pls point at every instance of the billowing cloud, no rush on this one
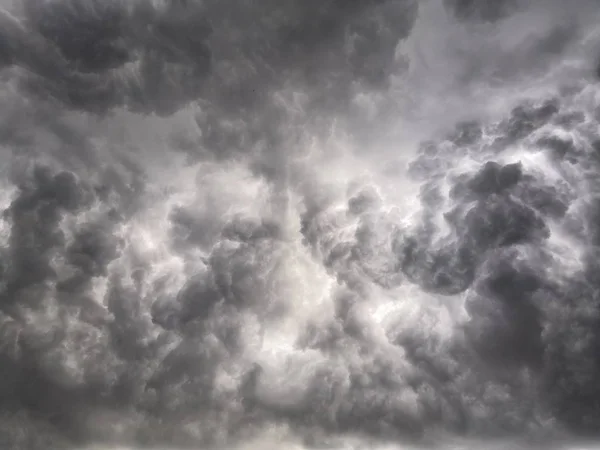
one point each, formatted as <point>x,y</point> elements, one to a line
<point>299,224</point>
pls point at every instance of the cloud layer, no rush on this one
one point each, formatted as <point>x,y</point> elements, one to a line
<point>325,222</point>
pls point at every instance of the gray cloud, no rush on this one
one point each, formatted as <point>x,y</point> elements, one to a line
<point>205,236</point>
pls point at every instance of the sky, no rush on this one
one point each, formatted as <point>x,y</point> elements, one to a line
<point>317,224</point>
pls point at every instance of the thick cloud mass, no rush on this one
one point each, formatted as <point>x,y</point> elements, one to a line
<point>299,224</point>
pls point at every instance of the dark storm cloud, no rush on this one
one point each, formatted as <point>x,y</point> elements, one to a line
<point>515,305</point>
<point>50,315</point>
<point>31,282</point>
<point>498,252</point>
<point>158,56</point>
<point>485,10</point>
<point>103,343</point>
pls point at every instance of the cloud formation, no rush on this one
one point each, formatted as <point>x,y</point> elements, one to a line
<point>224,223</point>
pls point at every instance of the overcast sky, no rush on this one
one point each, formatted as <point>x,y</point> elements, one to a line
<point>358,224</point>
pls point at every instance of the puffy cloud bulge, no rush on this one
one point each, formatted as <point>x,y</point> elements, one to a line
<point>341,224</point>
